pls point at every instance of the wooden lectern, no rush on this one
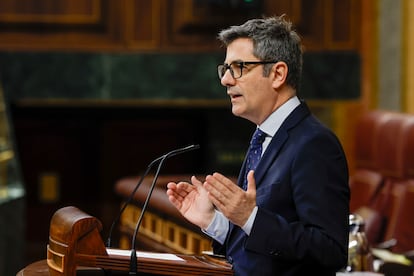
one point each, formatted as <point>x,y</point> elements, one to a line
<point>75,241</point>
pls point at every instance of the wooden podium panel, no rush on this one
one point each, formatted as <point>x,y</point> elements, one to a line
<point>75,246</point>
<point>41,268</point>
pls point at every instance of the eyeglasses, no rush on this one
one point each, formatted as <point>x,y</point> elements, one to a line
<point>236,68</point>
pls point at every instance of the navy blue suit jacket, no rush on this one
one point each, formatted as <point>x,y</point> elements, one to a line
<point>301,225</point>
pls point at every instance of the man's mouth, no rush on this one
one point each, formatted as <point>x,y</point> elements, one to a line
<point>234,95</point>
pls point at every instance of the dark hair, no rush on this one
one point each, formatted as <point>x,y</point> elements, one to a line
<point>273,39</point>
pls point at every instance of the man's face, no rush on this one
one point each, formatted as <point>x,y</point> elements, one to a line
<point>252,95</point>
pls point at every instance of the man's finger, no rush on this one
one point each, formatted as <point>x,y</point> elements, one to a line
<point>251,182</point>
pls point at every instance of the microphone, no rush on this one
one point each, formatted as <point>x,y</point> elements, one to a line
<point>133,263</point>
<point>131,196</point>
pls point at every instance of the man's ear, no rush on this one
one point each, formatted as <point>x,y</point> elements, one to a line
<point>279,73</point>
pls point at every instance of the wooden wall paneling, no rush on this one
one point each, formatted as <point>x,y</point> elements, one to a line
<point>311,23</point>
<point>195,24</point>
<point>60,24</point>
<point>342,24</point>
<point>187,24</point>
<point>346,116</point>
<point>322,24</point>
<point>290,8</point>
<point>143,24</point>
<point>165,24</point>
<point>369,54</point>
<point>49,11</point>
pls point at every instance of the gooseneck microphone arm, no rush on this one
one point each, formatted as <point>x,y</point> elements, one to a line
<point>133,262</point>
<point>129,199</point>
<point>131,196</point>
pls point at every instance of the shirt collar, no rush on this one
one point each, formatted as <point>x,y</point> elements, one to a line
<point>271,125</point>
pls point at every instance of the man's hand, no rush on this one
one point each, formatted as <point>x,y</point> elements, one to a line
<point>235,203</point>
<point>192,201</point>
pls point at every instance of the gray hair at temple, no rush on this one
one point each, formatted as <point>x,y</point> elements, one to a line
<point>273,39</point>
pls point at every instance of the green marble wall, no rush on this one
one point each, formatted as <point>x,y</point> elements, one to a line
<point>332,75</point>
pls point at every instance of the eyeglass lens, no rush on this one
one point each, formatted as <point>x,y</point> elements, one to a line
<point>235,70</point>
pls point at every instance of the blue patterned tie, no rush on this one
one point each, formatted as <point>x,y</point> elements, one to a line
<point>254,154</point>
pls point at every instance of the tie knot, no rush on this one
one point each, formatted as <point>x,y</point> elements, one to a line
<point>258,137</point>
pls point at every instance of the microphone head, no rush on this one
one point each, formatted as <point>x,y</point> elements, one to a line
<point>193,147</point>
<point>182,150</point>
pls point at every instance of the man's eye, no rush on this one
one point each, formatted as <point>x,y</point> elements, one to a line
<point>239,64</point>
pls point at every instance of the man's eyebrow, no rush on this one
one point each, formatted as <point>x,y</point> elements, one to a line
<point>234,61</point>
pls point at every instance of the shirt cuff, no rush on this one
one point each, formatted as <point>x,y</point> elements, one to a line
<point>247,227</point>
<point>218,227</point>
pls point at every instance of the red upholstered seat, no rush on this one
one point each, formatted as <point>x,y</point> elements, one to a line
<point>366,139</point>
<point>408,148</point>
<point>365,185</point>
<point>401,219</point>
<point>382,188</point>
<point>389,153</point>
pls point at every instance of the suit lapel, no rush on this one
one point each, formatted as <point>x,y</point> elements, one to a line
<point>272,151</point>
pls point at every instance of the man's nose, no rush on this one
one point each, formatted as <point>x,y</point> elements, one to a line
<point>227,79</point>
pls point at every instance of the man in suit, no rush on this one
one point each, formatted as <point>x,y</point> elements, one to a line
<point>289,214</point>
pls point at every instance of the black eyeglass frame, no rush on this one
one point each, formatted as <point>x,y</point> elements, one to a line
<point>222,68</point>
